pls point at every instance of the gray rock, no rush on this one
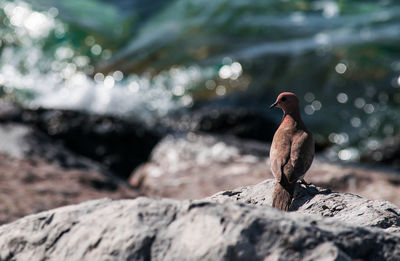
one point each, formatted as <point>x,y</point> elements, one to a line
<point>221,227</point>
<point>343,207</point>
<point>13,140</point>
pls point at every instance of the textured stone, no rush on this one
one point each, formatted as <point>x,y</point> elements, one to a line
<point>346,207</point>
<point>211,229</point>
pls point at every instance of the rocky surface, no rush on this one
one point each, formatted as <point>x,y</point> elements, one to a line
<point>195,166</point>
<point>218,228</point>
<point>345,207</point>
<point>32,185</point>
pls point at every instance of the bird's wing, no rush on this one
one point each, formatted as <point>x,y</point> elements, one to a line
<point>301,155</point>
<point>279,154</point>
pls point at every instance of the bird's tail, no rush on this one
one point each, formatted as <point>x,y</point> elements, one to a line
<point>283,195</point>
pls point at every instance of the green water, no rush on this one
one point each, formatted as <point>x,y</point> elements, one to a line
<point>144,60</point>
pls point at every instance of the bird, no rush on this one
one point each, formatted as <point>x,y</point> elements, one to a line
<point>292,151</point>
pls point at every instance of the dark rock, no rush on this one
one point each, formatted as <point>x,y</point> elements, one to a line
<point>219,228</point>
<point>24,141</point>
<point>117,144</point>
<point>387,152</point>
<point>9,111</point>
<point>239,122</point>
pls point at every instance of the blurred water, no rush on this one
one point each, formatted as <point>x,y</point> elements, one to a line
<point>143,60</point>
<point>64,77</point>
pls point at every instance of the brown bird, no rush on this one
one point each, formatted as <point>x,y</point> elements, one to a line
<point>292,151</point>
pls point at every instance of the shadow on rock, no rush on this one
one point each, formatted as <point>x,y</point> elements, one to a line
<point>304,194</point>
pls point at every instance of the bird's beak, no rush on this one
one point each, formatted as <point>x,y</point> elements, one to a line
<point>273,105</point>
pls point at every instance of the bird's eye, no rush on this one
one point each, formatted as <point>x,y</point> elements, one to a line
<point>283,99</point>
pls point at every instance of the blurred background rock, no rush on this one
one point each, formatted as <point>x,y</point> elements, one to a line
<point>109,79</point>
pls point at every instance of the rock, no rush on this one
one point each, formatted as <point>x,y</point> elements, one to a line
<point>208,229</point>
<point>387,152</point>
<point>372,182</point>
<point>215,118</point>
<point>24,141</point>
<point>9,111</point>
<point>117,144</point>
<point>121,145</point>
<point>14,139</point>
<point>194,166</point>
<point>197,165</point>
<point>31,185</point>
<point>348,208</point>
<point>38,173</point>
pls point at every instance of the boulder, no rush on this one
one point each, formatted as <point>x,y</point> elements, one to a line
<point>21,141</point>
<point>196,165</point>
<point>118,144</point>
<point>344,207</point>
<point>221,227</point>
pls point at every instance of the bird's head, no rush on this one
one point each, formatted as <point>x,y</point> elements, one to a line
<point>288,102</point>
